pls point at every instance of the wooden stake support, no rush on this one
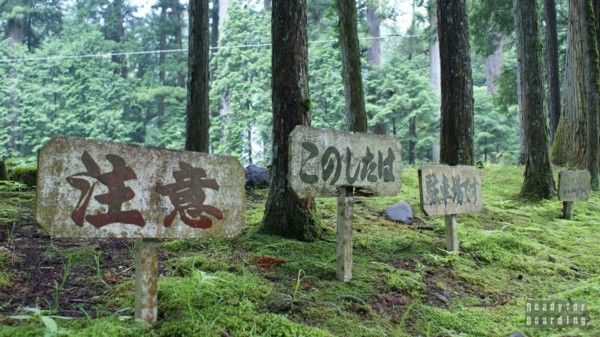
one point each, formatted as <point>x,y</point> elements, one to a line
<point>451,233</point>
<point>146,280</point>
<point>567,210</point>
<point>344,234</point>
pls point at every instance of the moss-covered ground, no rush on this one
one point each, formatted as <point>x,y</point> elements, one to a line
<point>405,283</point>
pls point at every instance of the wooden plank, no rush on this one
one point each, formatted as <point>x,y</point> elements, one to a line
<point>567,210</point>
<point>451,237</point>
<point>90,188</point>
<point>321,161</point>
<point>448,190</point>
<point>146,280</point>
<point>344,234</point>
<point>574,185</point>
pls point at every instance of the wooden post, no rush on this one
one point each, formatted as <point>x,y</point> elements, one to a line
<point>567,209</point>
<point>146,280</point>
<point>451,233</point>
<point>344,234</point>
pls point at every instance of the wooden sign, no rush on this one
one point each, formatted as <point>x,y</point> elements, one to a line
<point>324,160</point>
<point>91,188</point>
<point>573,185</point>
<point>327,162</point>
<point>100,189</point>
<point>449,189</point>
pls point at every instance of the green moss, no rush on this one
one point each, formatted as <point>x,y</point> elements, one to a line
<point>405,281</point>
<point>512,251</point>
<point>25,174</point>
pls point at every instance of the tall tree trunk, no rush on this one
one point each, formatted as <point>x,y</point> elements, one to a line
<point>552,67</point>
<point>285,213</point>
<point>523,143</point>
<point>493,66</point>
<point>374,50</point>
<point>356,117</point>
<point>114,30</point>
<point>412,122</point>
<point>177,18</point>
<point>214,24</point>
<point>569,148</point>
<point>198,120</point>
<point>374,32</point>
<point>435,77</point>
<point>162,45</point>
<point>457,83</point>
<point>15,38</point>
<point>538,181</point>
<point>591,62</point>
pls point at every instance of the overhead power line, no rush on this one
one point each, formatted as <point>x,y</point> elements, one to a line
<point>143,52</point>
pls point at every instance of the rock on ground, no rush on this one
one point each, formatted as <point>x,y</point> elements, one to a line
<point>401,212</point>
<point>257,176</point>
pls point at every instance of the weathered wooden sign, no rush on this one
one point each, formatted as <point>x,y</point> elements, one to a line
<point>450,190</point>
<point>573,185</point>
<point>91,188</point>
<point>100,189</point>
<point>327,162</point>
<point>324,160</point>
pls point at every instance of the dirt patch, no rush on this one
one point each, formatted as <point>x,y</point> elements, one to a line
<point>71,277</point>
<point>267,263</point>
<point>393,303</point>
<point>442,287</point>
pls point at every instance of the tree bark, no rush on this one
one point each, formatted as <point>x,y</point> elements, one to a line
<point>198,120</point>
<point>538,181</point>
<point>456,83</point>
<point>569,148</point>
<point>286,214</point>
<point>15,38</point>
<point>493,66</point>
<point>162,45</point>
<point>374,32</point>
<point>552,67</point>
<point>434,51</point>
<point>177,18</point>
<point>214,25</point>
<point>374,50</point>
<point>591,62</point>
<point>356,117</point>
<point>114,30</point>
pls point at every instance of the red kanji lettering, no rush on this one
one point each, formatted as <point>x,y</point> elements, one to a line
<point>117,193</point>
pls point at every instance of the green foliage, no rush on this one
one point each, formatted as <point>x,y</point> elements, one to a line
<point>497,133</point>
<point>406,94</point>
<point>240,93</point>
<point>25,174</point>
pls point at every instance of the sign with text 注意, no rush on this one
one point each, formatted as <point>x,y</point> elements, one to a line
<point>574,185</point>
<point>321,161</point>
<point>447,190</point>
<point>90,188</point>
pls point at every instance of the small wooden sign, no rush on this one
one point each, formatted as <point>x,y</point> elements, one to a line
<point>450,189</point>
<point>327,162</point>
<point>94,189</point>
<point>574,185</point>
<point>324,160</point>
<point>89,188</point>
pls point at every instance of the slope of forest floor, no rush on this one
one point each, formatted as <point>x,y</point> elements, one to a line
<point>405,283</point>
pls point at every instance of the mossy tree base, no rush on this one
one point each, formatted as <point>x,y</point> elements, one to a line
<point>288,216</point>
